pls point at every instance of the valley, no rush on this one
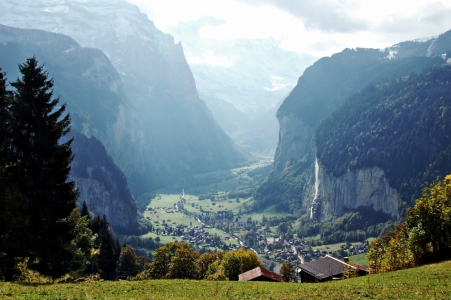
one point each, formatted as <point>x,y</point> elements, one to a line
<point>218,212</point>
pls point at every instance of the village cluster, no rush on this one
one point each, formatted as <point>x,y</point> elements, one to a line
<point>271,247</point>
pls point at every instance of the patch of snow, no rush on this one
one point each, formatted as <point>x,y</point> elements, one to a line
<point>431,47</point>
<point>69,50</point>
<point>278,83</point>
<point>56,9</point>
<point>392,53</point>
<point>425,39</point>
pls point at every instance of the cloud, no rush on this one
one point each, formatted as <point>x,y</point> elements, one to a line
<point>324,15</point>
<point>316,27</point>
<point>426,21</point>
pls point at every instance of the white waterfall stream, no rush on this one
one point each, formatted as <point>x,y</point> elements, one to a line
<point>316,186</point>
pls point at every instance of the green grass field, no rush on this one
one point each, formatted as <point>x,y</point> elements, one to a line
<point>426,282</point>
<point>359,259</point>
<point>194,205</point>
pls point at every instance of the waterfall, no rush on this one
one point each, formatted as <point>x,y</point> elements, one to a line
<point>316,187</point>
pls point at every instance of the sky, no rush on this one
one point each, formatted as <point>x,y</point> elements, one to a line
<point>316,27</point>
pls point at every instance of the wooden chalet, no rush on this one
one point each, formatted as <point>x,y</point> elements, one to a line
<point>259,274</point>
<point>325,269</point>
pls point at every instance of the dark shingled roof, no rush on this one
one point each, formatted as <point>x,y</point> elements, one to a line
<point>325,267</point>
<point>259,273</point>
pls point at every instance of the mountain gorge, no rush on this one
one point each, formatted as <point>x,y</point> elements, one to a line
<point>305,177</point>
<point>251,75</point>
<point>162,132</point>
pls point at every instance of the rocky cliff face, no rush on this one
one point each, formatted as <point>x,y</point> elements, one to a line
<point>366,187</point>
<point>102,185</point>
<point>295,142</point>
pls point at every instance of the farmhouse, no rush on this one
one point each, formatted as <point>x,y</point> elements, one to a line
<point>325,269</point>
<point>259,274</point>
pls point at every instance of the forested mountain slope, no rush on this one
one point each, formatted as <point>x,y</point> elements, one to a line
<point>322,88</point>
<point>402,126</point>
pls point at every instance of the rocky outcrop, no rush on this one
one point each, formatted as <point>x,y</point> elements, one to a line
<point>368,187</point>
<point>103,201</point>
<point>102,185</point>
<point>295,142</point>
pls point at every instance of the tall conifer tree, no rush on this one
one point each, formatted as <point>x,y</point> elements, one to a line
<point>42,165</point>
<point>5,119</point>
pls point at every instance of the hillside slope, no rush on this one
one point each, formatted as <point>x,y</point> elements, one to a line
<point>429,281</point>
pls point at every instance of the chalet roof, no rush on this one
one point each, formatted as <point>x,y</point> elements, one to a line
<point>257,272</point>
<point>325,267</point>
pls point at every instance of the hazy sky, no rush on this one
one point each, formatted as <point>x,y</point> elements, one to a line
<point>318,27</point>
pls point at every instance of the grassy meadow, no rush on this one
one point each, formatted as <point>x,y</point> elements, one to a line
<point>426,282</point>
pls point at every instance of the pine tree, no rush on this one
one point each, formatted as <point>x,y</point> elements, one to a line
<point>85,210</point>
<point>105,243</point>
<point>5,118</point>
<point>11,218</point>
<point>117,250</point>
<point>41,171</point>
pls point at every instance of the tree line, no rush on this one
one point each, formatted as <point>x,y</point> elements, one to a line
<point>177,260</point>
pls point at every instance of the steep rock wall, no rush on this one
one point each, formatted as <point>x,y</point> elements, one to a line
<point>295,141</point>
<point>367,187</point>
<point>102,201</point>
<point>102,185</point>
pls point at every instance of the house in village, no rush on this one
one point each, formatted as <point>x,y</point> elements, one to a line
<point>327,268</point>
<point>259,274</point>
